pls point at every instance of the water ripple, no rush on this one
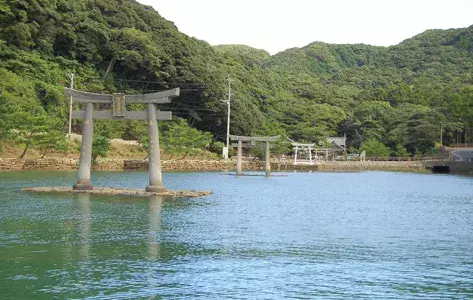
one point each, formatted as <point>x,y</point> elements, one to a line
<point>369,235</point>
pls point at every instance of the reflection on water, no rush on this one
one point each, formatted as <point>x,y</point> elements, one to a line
<point>84,225</point>
<point>366,235</point>
<point>155,205</point>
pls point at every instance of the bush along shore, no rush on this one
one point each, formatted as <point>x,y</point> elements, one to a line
<point>16,164</point>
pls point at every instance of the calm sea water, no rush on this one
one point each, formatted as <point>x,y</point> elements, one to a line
<point>372,235</point>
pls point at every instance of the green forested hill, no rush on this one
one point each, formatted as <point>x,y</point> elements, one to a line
<point>398,96</point>
<point>426,77</point>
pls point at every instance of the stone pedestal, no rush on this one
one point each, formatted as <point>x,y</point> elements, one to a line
<point>83,187</point>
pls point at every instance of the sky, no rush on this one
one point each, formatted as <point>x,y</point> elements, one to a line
<point>275,25</point>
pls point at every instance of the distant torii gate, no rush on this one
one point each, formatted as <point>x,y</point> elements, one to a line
<point>305,147</point>
<point>253,141</point>
<point>118,112</point>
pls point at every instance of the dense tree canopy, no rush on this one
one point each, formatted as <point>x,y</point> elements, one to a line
<point>399,96</point>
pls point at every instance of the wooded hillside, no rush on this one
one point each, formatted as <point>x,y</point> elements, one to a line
<point>396,98</point>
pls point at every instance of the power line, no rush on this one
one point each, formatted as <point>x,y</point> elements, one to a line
<point>182,90</point>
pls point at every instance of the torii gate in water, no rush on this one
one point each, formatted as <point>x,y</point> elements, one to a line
<point>252,140</point>
<point>118,102</point>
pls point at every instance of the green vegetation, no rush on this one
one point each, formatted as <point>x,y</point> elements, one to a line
<point>399,96</point>
<point>374,148</point>
<point>185,140</point>
<point>100,146</point>
<point>179,139</point>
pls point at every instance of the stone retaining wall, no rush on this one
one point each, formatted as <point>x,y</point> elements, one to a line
<point>371,166</point>
<point>11,164</point>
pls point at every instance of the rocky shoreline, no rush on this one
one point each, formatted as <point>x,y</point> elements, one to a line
<point>15,164</point>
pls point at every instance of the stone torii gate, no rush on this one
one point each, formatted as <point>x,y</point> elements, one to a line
<point>252,141</point>
<point>118,102</point>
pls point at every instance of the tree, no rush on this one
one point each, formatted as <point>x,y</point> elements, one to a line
<point>273,128</point>
<point>100,146</point>
<point>53,140</point>
<point>181,138</point>
<point>400,151</point>
<point>217,147</point>
<point>101,140</point>
<point>324,143</point>
<point>370,120</point>
<point>374,148</point>
<point>415,127</point>
<point>5,121</point>
<point>35,130</point>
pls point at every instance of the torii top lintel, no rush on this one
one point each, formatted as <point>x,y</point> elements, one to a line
<point>159,97</point>
<point>119,103</point>
<point>254,138</point>
<point>295,144</point>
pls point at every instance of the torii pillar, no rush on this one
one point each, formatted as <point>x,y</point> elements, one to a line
<point>85,160</point>
<point>118,112</point>
<point>267,160</point>
<point>239,154</point>
<point>154,155</point>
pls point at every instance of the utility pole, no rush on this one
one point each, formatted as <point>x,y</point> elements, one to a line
<point>71,78</point>
<point>226,149</point>
<point>441,134</point>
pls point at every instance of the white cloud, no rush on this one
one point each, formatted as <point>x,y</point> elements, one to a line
<point>278,25</point>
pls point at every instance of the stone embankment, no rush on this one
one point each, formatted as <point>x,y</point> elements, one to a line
<point>400,166</point>
<point>12,164</point>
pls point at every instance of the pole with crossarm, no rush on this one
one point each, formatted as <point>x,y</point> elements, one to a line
<point>227,149</point>
<point>119,102</point>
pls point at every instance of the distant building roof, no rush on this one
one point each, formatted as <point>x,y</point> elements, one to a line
<point>338,142</point>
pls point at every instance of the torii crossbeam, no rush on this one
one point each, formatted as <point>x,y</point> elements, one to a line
<point>252,140</point>
<point>118,102</point>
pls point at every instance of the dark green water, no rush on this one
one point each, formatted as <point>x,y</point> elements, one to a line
<point>370,235</point>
